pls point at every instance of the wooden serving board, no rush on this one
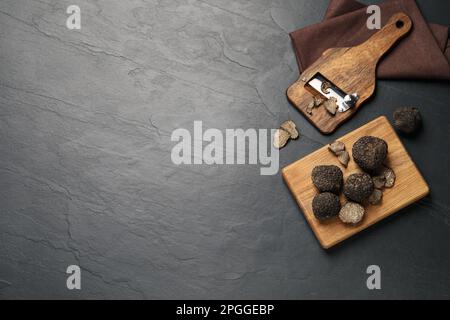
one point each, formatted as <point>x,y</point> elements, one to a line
<point>352,69</point>
<point>409,185</point>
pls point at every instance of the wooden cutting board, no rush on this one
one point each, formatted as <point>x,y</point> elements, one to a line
<point>353,70</point>
<point>409,186</point>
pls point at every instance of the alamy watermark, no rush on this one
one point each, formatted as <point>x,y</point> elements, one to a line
<point>231,146</point>
<point>374,20</point>
<point>74,280</point>
<point>73,22</point>
<point>374,280</point>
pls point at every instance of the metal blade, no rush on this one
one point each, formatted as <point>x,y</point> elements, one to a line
<point>327,89</point>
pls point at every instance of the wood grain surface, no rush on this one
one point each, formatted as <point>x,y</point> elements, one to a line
<point>409,186</point>
<point>351,69</point>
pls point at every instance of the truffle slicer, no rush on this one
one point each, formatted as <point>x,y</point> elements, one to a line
<point>345,74</point>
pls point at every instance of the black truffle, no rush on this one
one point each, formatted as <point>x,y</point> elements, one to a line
<point>369,152</point>
<point>326,205</point>
<point>407,119</point>
<point>358,186</point>
<point>327,178</point>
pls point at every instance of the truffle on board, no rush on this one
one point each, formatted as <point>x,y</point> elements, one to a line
<point>310,106</point>
<point>318,101</point>
<point>375,197</point>
<point>331,105</point>
<point>369,152</point>
<point>358,187</point>
<point>327,178</point>
<point>389,176</point>
<point>379,181</point>
<point>343,157</point>
<point>351,212</point>
<point>336,146</point>
<point>326,205</point>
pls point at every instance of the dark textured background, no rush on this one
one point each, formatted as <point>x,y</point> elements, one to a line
<point>86,176</point>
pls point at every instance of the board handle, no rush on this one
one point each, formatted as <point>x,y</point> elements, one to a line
<point>378,44</point>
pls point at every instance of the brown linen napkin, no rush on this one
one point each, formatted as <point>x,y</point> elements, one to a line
<point>423,54</point>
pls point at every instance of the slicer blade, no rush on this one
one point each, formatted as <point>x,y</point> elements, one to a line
<point>329,90</point>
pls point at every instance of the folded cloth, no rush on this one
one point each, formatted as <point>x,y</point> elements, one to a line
<point>423,54</point>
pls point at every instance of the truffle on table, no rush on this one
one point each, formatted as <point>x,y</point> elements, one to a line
<point>327,178</point>
<point>352,213</point>
<point>280,138</point>
<point>407,119</point>
<point>326,205</point>
<point>291,128</point>
<point>369,152</point>
<point>358,187</point>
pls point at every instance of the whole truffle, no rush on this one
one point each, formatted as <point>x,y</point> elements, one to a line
<point>326,205</point>
<point>352,213</point>
<point>358,186</point>
<point>407,119</point>
<point>369,152</point>
<point>327,178</point>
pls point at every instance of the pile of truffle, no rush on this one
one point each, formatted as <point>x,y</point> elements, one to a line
<point>329,104</point>
<point>360,189</point>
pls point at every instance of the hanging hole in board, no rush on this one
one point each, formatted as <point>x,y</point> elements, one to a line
<point>399,24</point>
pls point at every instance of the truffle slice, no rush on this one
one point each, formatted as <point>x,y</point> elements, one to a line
<point>390,178</point>
<point>326,205</point>
<point>388,175</point>
<point>343,157</point>
<point>318,101</point>
<point>369,152</point>
<point>358,186</point>
<point>280,138</point>
<point>336,146</point>
<point>407,119</point>
<point>310,106</point>
<point>352,213</point>
<point>379,181</point>
<point>327,178</point>
<point>291,128</point>
<point>375,197</point>
<point>331,105</point>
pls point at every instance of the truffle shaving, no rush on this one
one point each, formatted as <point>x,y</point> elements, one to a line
<point>336,146</point>
<point>280,138</point>
<point>375,197</point>
<point>291,128</point>
<point>379,181</point>
<point>351,213</point>
<point>331,105</point>
<point>343,158</point>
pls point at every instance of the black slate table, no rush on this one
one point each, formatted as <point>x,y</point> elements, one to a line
<point>86,177</point>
